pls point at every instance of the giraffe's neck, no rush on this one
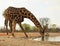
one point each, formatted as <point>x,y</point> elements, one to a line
<point>35,21</point>
<point>29,15</point>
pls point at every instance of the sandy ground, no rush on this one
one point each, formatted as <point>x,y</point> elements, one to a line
<point>21,40</point>
<point>30,34</point>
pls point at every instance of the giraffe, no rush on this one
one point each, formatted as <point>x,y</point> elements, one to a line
<point>17,15</point>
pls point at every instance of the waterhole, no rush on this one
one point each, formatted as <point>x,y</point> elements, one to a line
<point>56,38</point>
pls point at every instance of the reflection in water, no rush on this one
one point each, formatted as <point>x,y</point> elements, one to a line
<point>46,37</point>
<point>57,38</point>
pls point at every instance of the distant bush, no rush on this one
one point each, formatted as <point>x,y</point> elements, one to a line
<point>34,29</point>
<point>53,30</point>
<point>26,27</point>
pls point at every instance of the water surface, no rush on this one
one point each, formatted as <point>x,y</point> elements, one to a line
<point>57,38</point>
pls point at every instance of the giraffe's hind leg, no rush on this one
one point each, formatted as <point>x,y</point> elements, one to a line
<point>23,30</point>
<point>6,25</point>
<point>13,28</point>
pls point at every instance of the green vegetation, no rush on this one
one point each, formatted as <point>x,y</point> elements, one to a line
<point>26,27</point>
<point>29,28</point>
<point>34,29</point>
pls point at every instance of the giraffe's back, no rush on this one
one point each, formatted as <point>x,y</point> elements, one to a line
<point>13,13</point>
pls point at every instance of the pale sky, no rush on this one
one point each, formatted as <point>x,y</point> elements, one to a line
<point>40,8</point>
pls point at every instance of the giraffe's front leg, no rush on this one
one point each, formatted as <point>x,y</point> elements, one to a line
<point>13,28</point>
<point>23,30</point>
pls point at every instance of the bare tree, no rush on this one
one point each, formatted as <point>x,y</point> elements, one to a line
<point>44,22</point>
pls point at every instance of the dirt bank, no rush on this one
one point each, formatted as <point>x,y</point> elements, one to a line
<point>30,34</point>
<point>21,40</point>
